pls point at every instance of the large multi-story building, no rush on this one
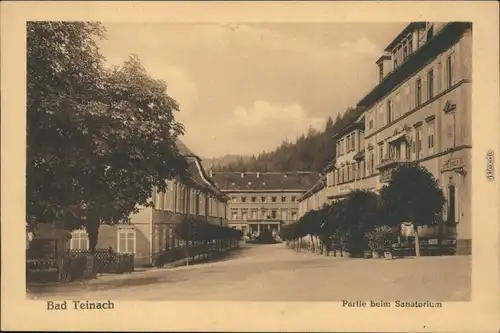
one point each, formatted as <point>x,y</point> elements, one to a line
<point>151,229</point>
<point>420,111</point>
<point>263,200</point>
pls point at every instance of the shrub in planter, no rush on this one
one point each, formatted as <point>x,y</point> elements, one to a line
<point>380,240</point>
<point>368,254</point>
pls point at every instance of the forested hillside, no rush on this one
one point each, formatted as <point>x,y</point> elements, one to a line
<point>310,152</point>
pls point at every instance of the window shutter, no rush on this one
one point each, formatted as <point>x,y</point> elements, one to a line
<point>424,89</point>
<point>412,97</point>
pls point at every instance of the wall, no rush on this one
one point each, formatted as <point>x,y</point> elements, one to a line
<point>262,208</point>
<point>452,132</point>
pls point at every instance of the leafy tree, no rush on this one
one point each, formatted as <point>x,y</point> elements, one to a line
<point>359,215</point>
<point>98,140</point>
<point>412,195</point>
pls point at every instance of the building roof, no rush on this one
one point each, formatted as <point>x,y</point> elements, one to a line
<point>183,149</point>
<point>356,121</point>
<point>195,174</point>
<point>329,166</point>
<point>383,57</point>
<point>409,28</point>
<point>264,181</point>
<point>442,41</point>
<point>318,186</point>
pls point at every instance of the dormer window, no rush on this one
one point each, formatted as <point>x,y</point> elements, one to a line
<point>380,72</point>
<point>430,32</point>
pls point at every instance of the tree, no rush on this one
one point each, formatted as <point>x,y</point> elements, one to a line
<point>412,195</point>
<point>98,140</point>
<point>310,224</point>
<point>359,215</point>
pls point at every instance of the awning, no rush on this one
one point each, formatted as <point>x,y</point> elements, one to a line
<point>360,155</point>
<point>396,137</point>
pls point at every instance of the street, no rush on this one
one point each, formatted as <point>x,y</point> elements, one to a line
<point>275,273</point>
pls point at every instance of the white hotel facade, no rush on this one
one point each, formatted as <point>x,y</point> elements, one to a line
<point>420,111</point>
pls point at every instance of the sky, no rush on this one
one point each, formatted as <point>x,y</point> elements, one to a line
<point>243,88</point>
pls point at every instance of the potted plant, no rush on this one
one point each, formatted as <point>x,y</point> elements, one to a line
<point>374,243</point>
<point>380,241</point>
<point>373,246</point>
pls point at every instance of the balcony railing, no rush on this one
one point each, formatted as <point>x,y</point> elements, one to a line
<point>390,161</point>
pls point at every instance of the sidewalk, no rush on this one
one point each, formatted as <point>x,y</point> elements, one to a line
<point>140,276</point>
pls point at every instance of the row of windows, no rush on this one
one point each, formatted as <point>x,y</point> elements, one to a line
<point>402,51</point>
<point>181,199</point>
<point>346,145</point>
<point>414,148</point>
<point>126,240</point>
<point>347,173</point>
<point>255,214</point>
<point>254,199</point>
<point>394,105</point>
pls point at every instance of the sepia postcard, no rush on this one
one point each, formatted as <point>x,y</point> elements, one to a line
<point>250,166</point>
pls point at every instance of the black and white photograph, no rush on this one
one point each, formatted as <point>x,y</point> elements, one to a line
<point>250,161</point>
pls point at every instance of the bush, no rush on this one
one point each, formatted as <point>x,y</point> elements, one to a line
<point>381,238</point>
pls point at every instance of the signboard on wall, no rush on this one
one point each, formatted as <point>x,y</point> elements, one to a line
<point>451,164</point>
<point>345,188</point>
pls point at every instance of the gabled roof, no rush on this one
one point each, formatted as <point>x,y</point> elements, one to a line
<point>195,174</point>
<point>264,181</point>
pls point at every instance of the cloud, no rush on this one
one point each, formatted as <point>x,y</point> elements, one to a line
<point>361,46</point>
<point>244,88</point>
<point>249,130</point>
<point>180,85</point>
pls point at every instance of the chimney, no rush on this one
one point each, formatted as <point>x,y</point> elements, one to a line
<point>211,174</point>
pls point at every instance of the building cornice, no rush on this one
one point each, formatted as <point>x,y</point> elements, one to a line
<point>424,159</point>
<point>442,41</point>
<point>229,191</point>
<point>415,109</point>
<point>349,128</point>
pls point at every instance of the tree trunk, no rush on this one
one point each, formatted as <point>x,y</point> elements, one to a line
<point>93,231</point>
<point>417,242</point>
<point>92,227</point>
<point>313,248</point>
<point>440,231</point>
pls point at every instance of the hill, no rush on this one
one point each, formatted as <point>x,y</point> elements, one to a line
<point>224,161</point>
<point>310,152</point>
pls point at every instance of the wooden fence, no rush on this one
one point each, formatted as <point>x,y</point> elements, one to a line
<point>78,264</point>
